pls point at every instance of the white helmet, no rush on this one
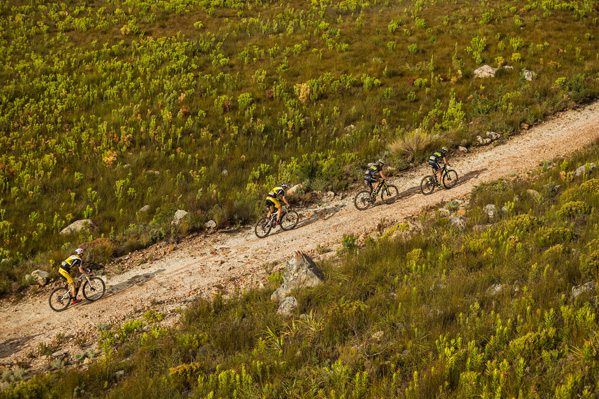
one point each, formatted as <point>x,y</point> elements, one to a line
<point>79,251</point>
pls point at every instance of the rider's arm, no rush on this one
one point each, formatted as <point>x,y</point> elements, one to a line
<point>445,161</point>
<point>382,175</point>
<point>285,200</point>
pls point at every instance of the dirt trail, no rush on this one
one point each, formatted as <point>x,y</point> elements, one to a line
<point>204,264</point>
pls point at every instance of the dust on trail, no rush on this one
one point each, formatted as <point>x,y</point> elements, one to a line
<point>202,265</point>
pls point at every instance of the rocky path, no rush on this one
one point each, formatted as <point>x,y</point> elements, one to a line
<point>204,265</point>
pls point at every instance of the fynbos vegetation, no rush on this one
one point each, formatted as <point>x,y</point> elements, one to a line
<point>109,106</point>
<point>504,308</point>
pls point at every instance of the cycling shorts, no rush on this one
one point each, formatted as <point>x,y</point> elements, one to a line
<point>270,202</point>
<point>434,165</point>
<point>66,275</point>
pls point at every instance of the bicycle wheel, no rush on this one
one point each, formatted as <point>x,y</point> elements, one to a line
<point>59,299</point>
<point>427,185</point>
<point>289,221</point>
<point>263,227</point>
<point>94,289</point>
<point>390,195</point>
<point>363,200</point>
<point>450,178</point>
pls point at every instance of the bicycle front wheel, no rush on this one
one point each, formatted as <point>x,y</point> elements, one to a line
<point>94,289</point>
<point>263,227</point>
<point>289,221</point>
<point>427,185</point>
<point>450,178</point>
<point>362,200</point>
<point>390,195</point>
<point>59,299</point>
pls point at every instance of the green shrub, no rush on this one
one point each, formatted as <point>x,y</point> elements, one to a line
<point>554,235</point>
<point>574,208</point>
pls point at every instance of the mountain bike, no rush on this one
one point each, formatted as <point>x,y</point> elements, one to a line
<point>389,194</point>
<point>429,183</point>
<point>93,288</point>
<point>289,220</point>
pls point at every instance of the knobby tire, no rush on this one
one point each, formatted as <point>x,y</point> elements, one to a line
<point>427,185</point>
<point>54,300</point>
<point>95,290</point>
<point>263,227</point>
<point>450,178</point>
<point>289,220</point>
<point>390,195</point>
<point>362,200</point>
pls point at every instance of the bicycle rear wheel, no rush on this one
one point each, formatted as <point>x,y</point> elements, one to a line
<point>427,185</point>
<point>59,299</point>
<point>363,200</point>
<point>94,289</point>
<point>390,195</point>
<point>289,221</point>
<point>450,178</point>
<point>263,227</point>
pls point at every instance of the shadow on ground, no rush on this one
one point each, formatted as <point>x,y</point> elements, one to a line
<point>14,345</point>
<point>139,280</point>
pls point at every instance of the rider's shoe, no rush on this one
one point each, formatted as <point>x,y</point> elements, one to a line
<point>75,301</point>
<point>278,222</point>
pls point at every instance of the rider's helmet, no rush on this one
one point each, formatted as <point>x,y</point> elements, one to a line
<point>444,150</point>
<point>284,185</point>
<point>79,251</point>
<point>381,161</point>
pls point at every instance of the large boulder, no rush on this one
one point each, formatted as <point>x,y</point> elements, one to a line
<point>179,216</point>
<point>588,287</point>
<point>287,306</point>
<point>77,226</point>
<point>296,190</point>
<point>301,272</point>
<point>40,277</point>
<point>528,75</point>
<point>485,71</point>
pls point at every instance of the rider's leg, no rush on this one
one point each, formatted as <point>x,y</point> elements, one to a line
<point>279,213</point>
<point>73,293</point>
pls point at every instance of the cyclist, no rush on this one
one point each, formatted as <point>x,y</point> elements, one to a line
<point>433,161</point>
<point>372,175</point>
<point>273,202</point>
<point>65,271</point>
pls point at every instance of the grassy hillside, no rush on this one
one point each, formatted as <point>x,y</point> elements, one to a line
<point>107,106</point>
<point>488,311</point>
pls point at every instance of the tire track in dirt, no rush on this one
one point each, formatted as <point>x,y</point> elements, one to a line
<point>205,264</point>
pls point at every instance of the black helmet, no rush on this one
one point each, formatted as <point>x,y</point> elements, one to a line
<point>284,185</point>
<point>381,161</point>
<point>444,150</point>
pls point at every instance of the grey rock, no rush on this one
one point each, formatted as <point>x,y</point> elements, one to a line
<point>484,141</point>
<point>179,216</point>
<point>508,67</point>
<point>534,194</point>
<point>350,128</point>
<point>484,72</point>
<point>493,136</point>
<point>458,221</point>
<point>504,209</point>
<point>463,149</point>
<point>444,212</point>
<point>287,306</point>
<point>581,170</point>
<point>153,172</point>
<point>495,289</point>
<point>40,276</point>
<point>528,75</point>
<point>301,272</point>
<point>329,196</point>
<point>211,224</point>
<point>296,190</point>
<point>77,226</point>
<point>225,172</point>
<point>144,209</point>
<point>582,289</point>
<point>490,210</point>
<point>87,360</point>
<point>120,374</point>
<point>5,260</point>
